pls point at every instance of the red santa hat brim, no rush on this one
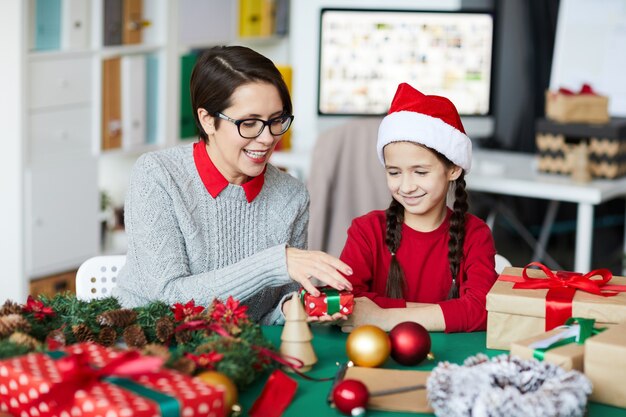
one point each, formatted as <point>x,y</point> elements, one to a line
<point>432,121</point>
<point>432,132</point>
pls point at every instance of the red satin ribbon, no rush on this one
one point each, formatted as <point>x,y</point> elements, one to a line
<point>562,287</point>
<point>77,373</point>
<point>275,397</point>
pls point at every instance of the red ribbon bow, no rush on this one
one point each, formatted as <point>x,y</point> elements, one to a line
<point>585,89</point>
<point>77,373</point>
<point>562,286</point>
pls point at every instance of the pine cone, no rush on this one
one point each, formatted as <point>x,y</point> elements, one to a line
<point>122,317</point>
<point>57,336</point>
<point>10,307</point>
<point>184,365</point>
<point>23,339</point>
<point>183,337</point>
<point>83,333</point>
<point>12,323</point>
<point>164,329</point>
<point>107,336</point>
<point>154,349</point>
<point>134,336</point>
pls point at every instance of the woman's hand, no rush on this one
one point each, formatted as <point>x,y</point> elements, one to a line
<point>303,265</point>
<point>365,312</point>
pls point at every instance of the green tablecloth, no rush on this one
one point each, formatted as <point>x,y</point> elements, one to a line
<point>329,344</point>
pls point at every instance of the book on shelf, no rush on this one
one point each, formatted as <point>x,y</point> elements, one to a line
<point>112,25</point>
<point>75,25</point>
<point>111,104</point>
<point>47,25</point>
<point>257,18</point>
<point>286,71</point>
<point>133,85</point>
<point>152,98</point>
<point>187,121</point>
<point>132,21</point>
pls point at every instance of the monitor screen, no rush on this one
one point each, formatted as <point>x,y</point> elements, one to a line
<point>365,54</point>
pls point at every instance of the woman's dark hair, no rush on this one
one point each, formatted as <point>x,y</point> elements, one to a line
<point>396,283</point>
<point>220,70</point>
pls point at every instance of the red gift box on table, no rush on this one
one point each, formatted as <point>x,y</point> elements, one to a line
<point>329,302</point>
<point>37,385</point>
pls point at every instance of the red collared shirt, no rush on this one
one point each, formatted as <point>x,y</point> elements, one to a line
<point>213,179</point>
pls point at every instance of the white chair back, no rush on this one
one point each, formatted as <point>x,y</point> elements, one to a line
<point>501,263</point>
<point>97,276</point>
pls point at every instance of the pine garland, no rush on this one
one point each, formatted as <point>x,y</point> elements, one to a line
<point>191,338</point>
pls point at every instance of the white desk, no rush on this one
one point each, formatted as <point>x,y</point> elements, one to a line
<point>515,174</point>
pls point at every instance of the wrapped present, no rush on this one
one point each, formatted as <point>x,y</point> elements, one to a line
<point>605,362</point>
<point>605,143</point>
<point>566,106</point>
<point>90,380</point>
<point>330,301</point>
<point>562,346</point>
<point>526,302</point>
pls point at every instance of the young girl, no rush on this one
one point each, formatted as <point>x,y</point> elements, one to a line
<point>419,260</point>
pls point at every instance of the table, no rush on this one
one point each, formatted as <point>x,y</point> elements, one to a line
<point>516,174</point>
<point>329,345</point>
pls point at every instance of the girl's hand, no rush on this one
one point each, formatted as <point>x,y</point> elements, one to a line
<point>365,312</point>
<point>325,319</point>
<point>303,265</point>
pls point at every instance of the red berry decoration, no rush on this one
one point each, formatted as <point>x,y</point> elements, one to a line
<point>410,343</point>
<point>350,397</point>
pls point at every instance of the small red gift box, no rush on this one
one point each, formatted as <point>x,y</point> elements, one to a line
<point>34,385</point>
<point>329,302</point>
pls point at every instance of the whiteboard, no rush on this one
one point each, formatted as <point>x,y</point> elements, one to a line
<point>590,47</point>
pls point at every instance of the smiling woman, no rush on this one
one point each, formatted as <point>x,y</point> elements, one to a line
<point>214,218</point>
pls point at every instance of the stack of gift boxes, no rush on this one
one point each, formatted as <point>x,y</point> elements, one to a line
<point>578,137</point>
<point>573,320</point>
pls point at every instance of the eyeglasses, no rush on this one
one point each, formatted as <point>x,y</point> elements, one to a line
<point>252,128</point>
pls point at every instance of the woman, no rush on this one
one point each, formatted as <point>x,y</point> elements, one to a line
<point>213,218</point>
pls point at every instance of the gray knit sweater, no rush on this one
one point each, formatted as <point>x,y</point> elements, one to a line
<point>184,244</point>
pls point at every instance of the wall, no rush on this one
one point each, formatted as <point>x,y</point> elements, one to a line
<point>12,279</point>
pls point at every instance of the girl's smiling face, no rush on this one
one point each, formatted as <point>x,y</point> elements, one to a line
<point>419,181</point>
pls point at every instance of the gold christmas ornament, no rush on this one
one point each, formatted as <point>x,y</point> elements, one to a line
<point>219,380</point>
<point>368,346</point>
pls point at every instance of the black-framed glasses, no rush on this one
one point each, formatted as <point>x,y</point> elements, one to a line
<point>252,128</point>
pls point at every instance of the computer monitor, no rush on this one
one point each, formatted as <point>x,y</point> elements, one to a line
<point>364,54</point>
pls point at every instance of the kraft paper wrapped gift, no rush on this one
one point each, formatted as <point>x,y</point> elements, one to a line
<point>577,108</point>
<point>563,346</point>
<point>605,365</point>
<point>517,314</point>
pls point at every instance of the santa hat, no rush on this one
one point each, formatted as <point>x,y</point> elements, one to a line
<point>432,121</point>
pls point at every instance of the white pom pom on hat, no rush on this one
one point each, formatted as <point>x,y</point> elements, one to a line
<point>432,121</point>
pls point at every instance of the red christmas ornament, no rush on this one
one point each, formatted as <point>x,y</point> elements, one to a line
<point>350,397</point>
<point>410,343</point>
